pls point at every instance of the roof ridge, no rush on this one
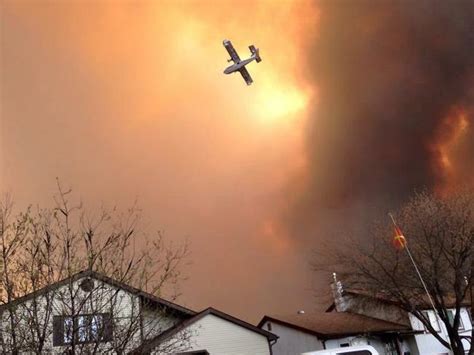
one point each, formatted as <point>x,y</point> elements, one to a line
<point>102,277</point>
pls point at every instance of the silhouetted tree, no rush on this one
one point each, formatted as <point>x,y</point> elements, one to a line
<point>440,235</point>
<point>41,248</point>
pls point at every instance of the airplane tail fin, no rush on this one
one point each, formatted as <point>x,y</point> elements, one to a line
<point>256,53</point>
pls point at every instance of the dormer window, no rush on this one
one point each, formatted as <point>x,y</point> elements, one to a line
<point>83,328</point>
<point>451,315</point>
<point>433,319</point>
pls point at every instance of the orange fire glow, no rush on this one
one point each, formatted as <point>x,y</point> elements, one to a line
<point>136,92</point>
<point>450,138</point>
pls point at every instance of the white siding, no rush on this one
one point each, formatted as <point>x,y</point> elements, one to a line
<point>292,341</point>
<point>123,306</point>
<point>371,307</point>
<point>428,344</point>
<point>156,322</point>
<point>222,337</point>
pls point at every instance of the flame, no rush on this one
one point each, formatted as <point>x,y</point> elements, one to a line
<point>450,136</point>
<point>460,125</point>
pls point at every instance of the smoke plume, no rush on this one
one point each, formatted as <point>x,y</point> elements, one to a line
<point>394,111</point>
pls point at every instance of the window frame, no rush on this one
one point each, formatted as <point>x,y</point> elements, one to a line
<point>436,326</point>
<point>354,352</point>
<point>451,319</point>
<point>82,328</point>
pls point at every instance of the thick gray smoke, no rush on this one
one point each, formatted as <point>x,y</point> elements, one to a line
<point>393,77</point>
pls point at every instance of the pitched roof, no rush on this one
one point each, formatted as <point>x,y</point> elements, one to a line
<point>101,277</point>
<point>422,303</point>
<point>334,324</point>
<point>153,343</point>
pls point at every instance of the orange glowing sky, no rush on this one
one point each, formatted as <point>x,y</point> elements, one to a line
<point>354,105</point>
<point>126,100</point>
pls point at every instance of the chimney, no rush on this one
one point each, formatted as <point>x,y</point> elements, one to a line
<point>338,294</point>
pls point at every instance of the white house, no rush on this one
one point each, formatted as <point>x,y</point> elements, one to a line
<point>357,318</point>
<point>217,333</point>
<point>92,313</point>
<point>420,341</point>
<point>425,342</point>
<point>303,332</point>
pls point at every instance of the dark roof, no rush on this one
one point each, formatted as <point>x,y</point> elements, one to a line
<point>334,324</point>
<point>153,343</point>
<point>98,276</point>
<point>423,303</point>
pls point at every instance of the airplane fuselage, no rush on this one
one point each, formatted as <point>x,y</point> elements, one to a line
<point>235,67</point>
<point>239,65</point>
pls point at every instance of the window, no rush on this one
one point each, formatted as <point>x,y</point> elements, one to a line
<point>84,328</point>
<point>68,330</point>
<point>355,352</point>
<point>451,320</point>
<point>433,318</point>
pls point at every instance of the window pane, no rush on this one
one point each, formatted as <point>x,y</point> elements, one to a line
<point>96,328</point>
<point>433,318</point>
<point>83,328</point>
<point>451,320</point>
<point>82,335</point>
<point>451,317</point>
<point>68,330</point>
<point>434,321</point>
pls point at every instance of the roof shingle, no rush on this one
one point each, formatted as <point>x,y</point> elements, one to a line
<point>335,323</point>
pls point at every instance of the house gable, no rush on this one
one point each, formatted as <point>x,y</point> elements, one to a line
<point>83,309</point>
<point>292,339</point>
<point>146,297</point>
<point>216,332</point>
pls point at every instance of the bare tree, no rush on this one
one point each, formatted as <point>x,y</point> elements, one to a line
<point>440,235</point>
<point>91,258</point>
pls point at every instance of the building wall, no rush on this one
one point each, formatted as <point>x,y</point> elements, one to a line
<point>292,341</point>
<point>428,344</point>
<point>219,336</point>
<point>155,322</point>
<point>371,307</point>
<point>421,344</point>
<point>105,298</point>
<point>408,345</point>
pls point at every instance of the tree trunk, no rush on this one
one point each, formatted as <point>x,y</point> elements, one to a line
<point>457,346</point>
<point>458,349</point>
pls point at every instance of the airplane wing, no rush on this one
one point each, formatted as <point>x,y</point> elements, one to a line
<point>246,75</point>
<point>232,52</point>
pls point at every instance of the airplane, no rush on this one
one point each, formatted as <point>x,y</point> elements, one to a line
<point>239,65</point>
